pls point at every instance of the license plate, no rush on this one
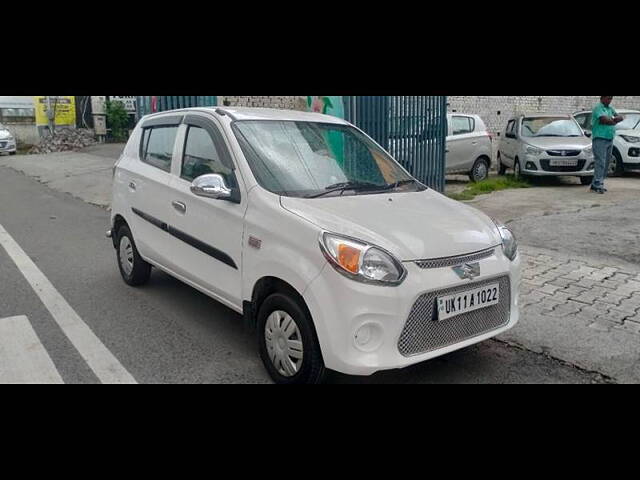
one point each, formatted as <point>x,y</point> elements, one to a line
<point>556,162</point>
<point>468,301</point>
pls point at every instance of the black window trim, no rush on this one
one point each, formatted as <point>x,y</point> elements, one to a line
<point>143,148</point>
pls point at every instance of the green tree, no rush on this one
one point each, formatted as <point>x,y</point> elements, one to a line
<point>117,119</point>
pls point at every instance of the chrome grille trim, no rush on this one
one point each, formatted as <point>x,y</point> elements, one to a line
<point>457,260</point>
<point>422,333</point>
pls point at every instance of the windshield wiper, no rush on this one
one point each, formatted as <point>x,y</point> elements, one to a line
<point>342,186</point>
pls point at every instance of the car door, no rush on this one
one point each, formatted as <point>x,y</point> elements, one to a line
<point>508,144</point>
<point>461,143</point>
<point>209,231</point>
<point>145,180</point>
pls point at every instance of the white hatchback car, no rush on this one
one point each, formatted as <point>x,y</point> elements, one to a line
<point>546,145</point>
<point>626,144</point>
<point>307,227</point>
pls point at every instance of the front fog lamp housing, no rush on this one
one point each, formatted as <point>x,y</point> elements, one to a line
<point>509,244</point>
<point>361,261</point>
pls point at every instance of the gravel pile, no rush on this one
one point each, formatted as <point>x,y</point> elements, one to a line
<point>65,140</point>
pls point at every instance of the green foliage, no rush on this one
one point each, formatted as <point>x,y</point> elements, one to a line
<point>487,186</point>
<point>117,120</point>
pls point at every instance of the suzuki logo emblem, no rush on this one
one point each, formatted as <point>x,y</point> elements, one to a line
<point>468,271</point>
<point>563,153</point>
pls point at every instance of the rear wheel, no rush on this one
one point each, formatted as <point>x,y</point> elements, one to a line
<point>287,341</point>
<point>480,170</point>
<point>134,270</point>
<point>501,168</point>
<point>616,167</point>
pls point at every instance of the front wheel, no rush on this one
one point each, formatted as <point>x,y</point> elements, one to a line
<point>517,171</point>
<point>287,341</point>
<point>616,167</point>
<point>586,180</point>
<point>501,168</point>
<point>480,170</point>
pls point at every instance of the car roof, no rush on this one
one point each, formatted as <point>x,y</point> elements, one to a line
<point>541,115</point>
<point>255,113</point>
<point>619,110</point>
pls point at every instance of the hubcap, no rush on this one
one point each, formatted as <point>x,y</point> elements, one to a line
<point>613,165</point>
<point>284,343</point>
<point>481,171</point>
<point>126,255</point>
<point>516,170</point>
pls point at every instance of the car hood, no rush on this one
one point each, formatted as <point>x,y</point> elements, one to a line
<point>4,134</point>
<point>411,225</point>
<point>631,132</point>
<point>569,143</point>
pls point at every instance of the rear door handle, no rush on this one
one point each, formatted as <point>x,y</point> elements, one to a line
<point>179,206</point>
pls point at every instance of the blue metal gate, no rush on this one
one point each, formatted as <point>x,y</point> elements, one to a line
<point>148,105</point>
<point>412,129</point>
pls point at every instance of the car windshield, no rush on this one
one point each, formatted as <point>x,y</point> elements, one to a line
<point>631,121</point>
<point>309,159</point>
<point>550,127</point>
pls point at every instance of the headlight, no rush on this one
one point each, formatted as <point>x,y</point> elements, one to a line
<point>361,261</point>
<point>509,244</point>
<point>588,150</point>
<point>630,139</point>
<point>531,150</point>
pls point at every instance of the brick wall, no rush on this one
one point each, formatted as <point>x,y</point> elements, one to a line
<point>488,107</point>
<point>293,103</point>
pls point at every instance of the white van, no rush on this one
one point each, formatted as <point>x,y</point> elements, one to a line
<point>303,224</point>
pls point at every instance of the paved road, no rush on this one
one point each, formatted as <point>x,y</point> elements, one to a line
<point>167,331</point>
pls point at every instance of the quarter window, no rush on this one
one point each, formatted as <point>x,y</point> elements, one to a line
<point>157,146</point>
<point>462,125</point>
<point>202,156</point>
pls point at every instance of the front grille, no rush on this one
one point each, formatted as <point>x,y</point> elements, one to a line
<point>453,261</point>
<point>3,144</point>
<point>423,333</point>
<point>563,153</point>
<point>548,168</point>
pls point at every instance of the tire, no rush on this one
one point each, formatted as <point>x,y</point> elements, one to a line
<point>277,311</point>
<point>480,170</point>
<point>586,180</point>
<point>134,270</point>
<point>616,168</point>
<point>12,153</point>
<point>517,170</point>
<point>501,168</point>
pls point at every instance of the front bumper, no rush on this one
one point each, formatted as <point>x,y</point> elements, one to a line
<point>7,146</point>
<point>542,166</point>
<point>631,156</point>
<point>361,328</point>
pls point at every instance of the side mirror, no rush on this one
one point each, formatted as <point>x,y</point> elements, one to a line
<point>211,185</point>
<point>588,134</point>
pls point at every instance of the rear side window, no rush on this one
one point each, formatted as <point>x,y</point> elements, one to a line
<point>462,125</point>
<point>157,146</point>
<point>202,156</point>
<point>510,126</point>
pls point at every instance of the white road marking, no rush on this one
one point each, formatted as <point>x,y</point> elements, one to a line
<point>106,367</point>
<point>23,358</point>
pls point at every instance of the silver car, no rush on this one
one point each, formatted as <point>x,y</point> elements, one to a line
<point>469,148</point>
<point>546,145</point>
<point>7,141</point>
<point>468,145</point>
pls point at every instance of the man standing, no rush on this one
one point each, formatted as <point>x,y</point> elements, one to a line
<point>603,120</point>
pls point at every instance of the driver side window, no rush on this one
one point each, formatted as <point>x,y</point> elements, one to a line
<point>202,156</point>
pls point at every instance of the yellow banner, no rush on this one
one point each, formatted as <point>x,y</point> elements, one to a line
<point>64,108</point>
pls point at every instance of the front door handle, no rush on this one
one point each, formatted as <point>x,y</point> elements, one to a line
<point>132,185</point>
<point>179,206</point>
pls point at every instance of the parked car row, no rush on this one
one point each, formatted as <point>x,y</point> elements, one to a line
<point>7,141</point>
<point>539,145</point>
